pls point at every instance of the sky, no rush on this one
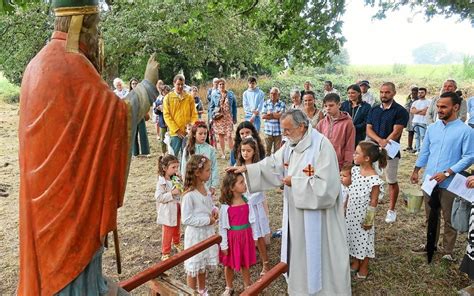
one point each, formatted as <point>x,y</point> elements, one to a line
<point>392,40</point>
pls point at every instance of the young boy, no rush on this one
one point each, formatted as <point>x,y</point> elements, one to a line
<point>337,126</point>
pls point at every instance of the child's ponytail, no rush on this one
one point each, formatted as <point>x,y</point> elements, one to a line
<point>374,152</point>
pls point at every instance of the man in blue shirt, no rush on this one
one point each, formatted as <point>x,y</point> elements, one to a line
<point>252,101</point>
<point>448,148</point>
<point>385,123</point>
<point>272,110</point>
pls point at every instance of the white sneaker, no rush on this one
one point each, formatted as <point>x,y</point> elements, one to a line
<point>391,216</point>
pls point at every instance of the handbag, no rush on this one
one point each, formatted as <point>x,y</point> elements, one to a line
<point>217,111</point>
<point>460,214</point>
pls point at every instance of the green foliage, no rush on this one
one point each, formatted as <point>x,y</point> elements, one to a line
<point>22,34</point>
<point>9,93</point>
<point>206,37</point>
<point>399,69</point>
<point>461,9</point>
<point>468,67</point>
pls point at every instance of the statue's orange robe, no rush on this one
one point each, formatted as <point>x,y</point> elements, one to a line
<point>74,144</point>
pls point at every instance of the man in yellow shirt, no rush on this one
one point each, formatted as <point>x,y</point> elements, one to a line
<point>178,111</point>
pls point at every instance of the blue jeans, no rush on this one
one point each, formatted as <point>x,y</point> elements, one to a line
<point>176,143</point>
<point>420,130</point>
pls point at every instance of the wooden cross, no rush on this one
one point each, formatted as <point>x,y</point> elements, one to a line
<point>309,170</point>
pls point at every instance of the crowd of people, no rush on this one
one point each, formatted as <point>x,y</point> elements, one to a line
<point>68,202</point>
<point>358,131</point>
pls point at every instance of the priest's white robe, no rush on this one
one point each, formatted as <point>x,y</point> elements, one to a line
<point>317,191</point>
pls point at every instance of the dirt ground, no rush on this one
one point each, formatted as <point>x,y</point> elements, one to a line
<point>395,271</point>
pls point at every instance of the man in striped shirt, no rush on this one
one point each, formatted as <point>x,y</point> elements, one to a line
<point>272,110</point>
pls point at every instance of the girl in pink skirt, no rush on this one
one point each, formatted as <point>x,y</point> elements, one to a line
<point>237,250</point>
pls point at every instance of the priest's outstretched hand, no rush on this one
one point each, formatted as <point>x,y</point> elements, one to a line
<point>236,169</point>
<point>287,181</point>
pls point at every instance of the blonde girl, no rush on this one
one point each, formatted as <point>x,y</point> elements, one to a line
<point>199,216</point>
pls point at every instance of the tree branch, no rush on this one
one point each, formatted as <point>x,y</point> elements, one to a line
<point>248,9</point>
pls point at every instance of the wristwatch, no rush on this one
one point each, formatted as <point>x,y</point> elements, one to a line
<point>446,174</point>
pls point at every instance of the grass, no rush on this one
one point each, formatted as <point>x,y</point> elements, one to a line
<point>9,93</point>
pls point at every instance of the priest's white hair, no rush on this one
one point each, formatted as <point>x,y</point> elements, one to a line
<point>298,117</point>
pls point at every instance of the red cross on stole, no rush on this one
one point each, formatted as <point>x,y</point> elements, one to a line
<point>285,165</point>
<point>309,170</point>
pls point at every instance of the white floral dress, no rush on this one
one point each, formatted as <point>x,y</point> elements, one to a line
<point>196,209</point>
<point>360,241</point>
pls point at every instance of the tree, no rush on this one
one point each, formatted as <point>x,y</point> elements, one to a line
<point>22,34</point>
<point>435,53</point>
<point>462,9</point>
<point>207,37</point>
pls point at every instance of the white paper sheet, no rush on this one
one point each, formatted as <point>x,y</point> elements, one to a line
<point>428,185</point>
<point>392,148</point>
<point>458,187</point>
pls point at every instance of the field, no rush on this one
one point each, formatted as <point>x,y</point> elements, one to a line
<point>395,271</point>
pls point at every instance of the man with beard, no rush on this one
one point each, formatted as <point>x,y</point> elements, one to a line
<point>385,123</point>
<point>75,139</point>
<point>314,232</point>
<point>448,149</point>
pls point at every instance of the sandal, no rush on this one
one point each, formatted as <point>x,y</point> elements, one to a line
<point>361,277</point>
<point>264,268</point>
<point>228,292</point>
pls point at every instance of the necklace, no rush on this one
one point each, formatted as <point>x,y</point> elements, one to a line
<point>352,112</point>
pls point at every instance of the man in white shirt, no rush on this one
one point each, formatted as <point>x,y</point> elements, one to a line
<point>367,96</point>
<point>328,89</point>
<point>419,109</point>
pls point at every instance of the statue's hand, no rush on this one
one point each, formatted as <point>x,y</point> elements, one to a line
<point>151,72</point>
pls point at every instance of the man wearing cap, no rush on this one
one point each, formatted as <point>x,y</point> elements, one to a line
<point>367,96</point>
<point>75,139</point>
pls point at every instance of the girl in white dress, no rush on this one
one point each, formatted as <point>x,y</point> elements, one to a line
<point>199,216</point>
<point>363,198</point>
<point>248,154</point>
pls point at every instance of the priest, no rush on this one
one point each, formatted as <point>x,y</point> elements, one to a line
<point>75,140</point>
<point>314,235</point>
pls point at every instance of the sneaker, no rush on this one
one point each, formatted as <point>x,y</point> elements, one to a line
<point>179,247</point>
<point>416,153</point>
<point>449,257</point>
<point>203,292</point>
<point>408,149</point>
<point>165,257</point>
<point>228,292</point>
<point>391,216</point>
<point>421,249</point>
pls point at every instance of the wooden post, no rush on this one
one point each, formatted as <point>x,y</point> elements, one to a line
<point>159,268</point>
<point>117,252</point>
<point>266,280</point>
